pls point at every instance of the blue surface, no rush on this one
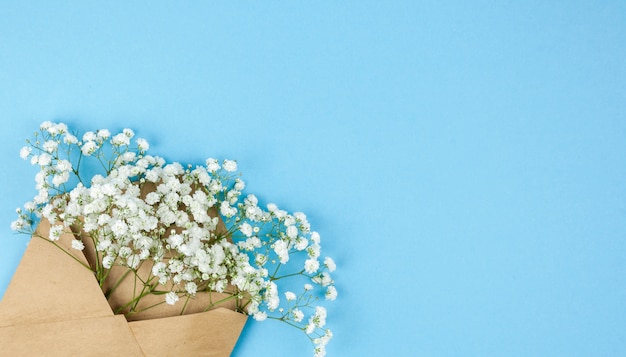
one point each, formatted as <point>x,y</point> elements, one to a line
<point>464,163</point>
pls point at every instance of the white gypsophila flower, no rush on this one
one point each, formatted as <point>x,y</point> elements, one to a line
<point>120,139</point>
<point>46,125</point>
<point>89,136</point>
<point>125,252</point>
<point>128,132</point>
<point>308,287</point>
<point>330,264</point>
<point>331,293</point>
<point>280,214</point>
<point>226,210</point>
<point>30,206</point>
<point>281,249</point>
<point>301,243</point>
<point>239,184</point>
<point>290,296</point>
<point>133,261</point>
<point>25,152</point>
<point>298,315</point>
<point>58,180</point>
<point>289,220</point>
<point>309,328</point>
<point>89,147</point>
<point>260,259</point>
<point>260,316</point>
<point>212,165</point>
<point>203,176</point>
<point>42,197</point>
<point>315,237</point>
<point>50,146</point>
<point>64,165</point>
<point>323,279</point>
<point>158,269</point>
<point>128,156</point>
<point>70,139</point>
<point>319,351</point>
<point>313,251</point>
<point>311,265</point>
<point>40,179</point>
<point>103,134</point>
<point>47,212</point>
<point>246,229</point>
<point>107,261</point>
<point>271,296</point>
<point>171,298</point>
<point>253,307</point>
<point>119,228</point>
<point>191,288</point>
<point>175,266</point>
<point>323,340</point>
<point>251,200</point>
<point>319,318</point>
<point>300,216</point>
<point>251,243</point>
<point>152,198</point>
<point>230,165</point>
<point>44,159</point>
<point>292,232</point>
<point>56,129</point>
<point>17,224</point>
<point>254,213</point>
<point>142,144</point>
<point>78,245</point>
<point>55,232</point>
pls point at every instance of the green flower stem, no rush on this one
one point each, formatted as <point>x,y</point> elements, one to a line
<point>134,301</point>
<point>283,319</point>
<point>275,272</point>
<point>117,283</point>
<point>234,296</point>
<point>145,308</point>
<point>273,278</point>
<point>185,305</point>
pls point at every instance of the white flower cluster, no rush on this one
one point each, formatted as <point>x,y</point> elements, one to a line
<point>192,224</point>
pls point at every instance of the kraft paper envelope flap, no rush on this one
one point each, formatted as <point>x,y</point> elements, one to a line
<point>48,285</point>
<point>213,333</point>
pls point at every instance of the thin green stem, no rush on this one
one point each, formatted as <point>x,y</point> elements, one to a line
<point>117,283</point>
<point>185,305</point>
<point>145,308</point>
<point>220,301</point>
<point>286,276</point>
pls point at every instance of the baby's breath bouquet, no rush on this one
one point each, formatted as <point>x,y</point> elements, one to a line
<point>175,231</point>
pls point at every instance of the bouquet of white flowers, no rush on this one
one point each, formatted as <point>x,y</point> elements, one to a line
<point>165,239</point>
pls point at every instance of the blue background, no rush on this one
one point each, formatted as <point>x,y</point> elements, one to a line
<point>464,162</point>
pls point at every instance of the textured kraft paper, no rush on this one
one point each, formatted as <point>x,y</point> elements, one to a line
<point>54,307</point>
